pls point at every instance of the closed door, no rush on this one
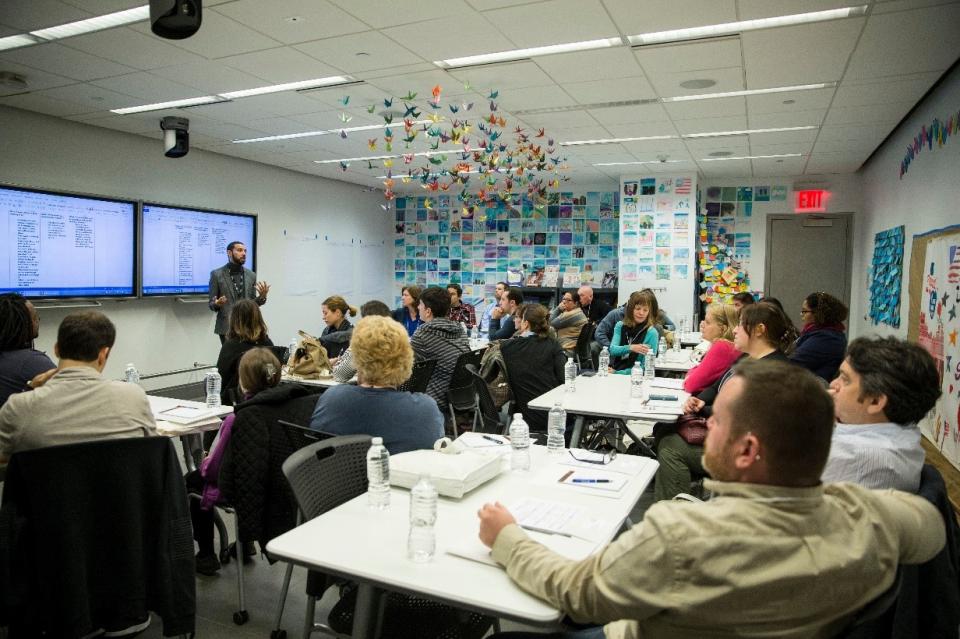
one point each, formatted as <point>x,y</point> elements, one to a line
<point>807,254</point>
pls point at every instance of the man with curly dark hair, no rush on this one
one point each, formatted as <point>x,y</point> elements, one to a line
<point>885,386</point>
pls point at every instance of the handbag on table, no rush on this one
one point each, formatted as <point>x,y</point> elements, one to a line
<point>309,360</point>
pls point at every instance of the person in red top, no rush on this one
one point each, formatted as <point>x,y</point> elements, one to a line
<point>717,328</point>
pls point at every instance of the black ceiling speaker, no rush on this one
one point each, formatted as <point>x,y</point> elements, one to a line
<point>175,19</point>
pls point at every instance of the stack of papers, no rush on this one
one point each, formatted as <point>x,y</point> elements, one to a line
<point>186,414</point>
<point>569,547</point>
<point>557,518</point>
<point>666,382</point>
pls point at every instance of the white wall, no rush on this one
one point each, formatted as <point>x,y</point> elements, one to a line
<point>164,334</point>
<point>845,198</point>
<point>926,198</point>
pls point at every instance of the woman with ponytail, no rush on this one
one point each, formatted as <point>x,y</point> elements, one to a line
<point>336,336</point>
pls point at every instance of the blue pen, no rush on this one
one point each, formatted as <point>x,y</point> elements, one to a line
<point>590,481</point>
<point>493,439</point>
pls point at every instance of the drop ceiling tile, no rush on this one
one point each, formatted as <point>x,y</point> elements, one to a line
<point>236,112</point>
<point>292,21</point>
<point>804,148</point>
<point>510,75</point>
<point>696,109</point>
<point>702,147</point>
<point>276,66</point>
<point>95,97</point>
<point>132,48</point>
<point>36,79</point>
<point>630,114</point>
<point>856,131</point>
<point>44,104</point>
<point>798,118</point>
<point>884,90</point>
<point>56,58</point>
<point>783,137</point>
<point>803,54</point>
<point>653,148</point>
<point>561,120</point>
<point>147,87</point>
<point>830,145</point>
<point>361,96</point>
<point>580,133</point>
<point>119,122</point>
<point>210,77</point>
<point>601,91</point>
<point>219,37</point>
<point>582,66</point>
<point>799,101</point>
<point>728,168</point>
<point>907,42</point>
<point>830,168</point>
<point>387,13</point>
<point>889,6</point>
<point>38,14</point>
<point>875,114</point>
<point>101,7</point>
<point>668,84</point>
<point>682,57</point>
<point>778,167</point>
<point>660,15</point>
<point>534,98</point>
<point>342,52</point>
<point>642,129</point>
<point>444,38</point>
<point>554,22</point>
<point>709,125</point>
<point>286,103</point>
<point>420,83</point>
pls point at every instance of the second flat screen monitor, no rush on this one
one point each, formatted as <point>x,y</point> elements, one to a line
<point>181,246</point>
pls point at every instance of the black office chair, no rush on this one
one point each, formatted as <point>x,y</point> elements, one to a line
<point>94,535</point>
<point>420,377</point>
<point>582,349</point>
<point>462,394</point>
<point>490,420</point>
<point>873,621</point>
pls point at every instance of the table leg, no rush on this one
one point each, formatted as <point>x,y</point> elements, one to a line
<point>577,432</point>
<point>364,615</point>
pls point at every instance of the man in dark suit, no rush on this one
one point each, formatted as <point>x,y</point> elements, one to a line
<point>230,283</point>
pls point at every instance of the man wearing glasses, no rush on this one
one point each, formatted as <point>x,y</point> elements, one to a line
<point>567,319</point>
<point>734,566</point>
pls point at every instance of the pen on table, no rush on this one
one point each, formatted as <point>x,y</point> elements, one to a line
<point>578,480</point>
<point>493,439</point>
<point>564,477</point>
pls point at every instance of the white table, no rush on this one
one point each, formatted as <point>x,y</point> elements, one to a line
<point>676,362</point>
<point>609,397</point>
<point>369,546</point>
<point>189,434</point>
<point>323,382</point>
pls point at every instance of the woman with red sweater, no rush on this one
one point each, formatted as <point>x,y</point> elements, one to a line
<point>717,329</point>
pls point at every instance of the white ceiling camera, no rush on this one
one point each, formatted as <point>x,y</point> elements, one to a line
<point>176,136</point>
<point>175,19</point>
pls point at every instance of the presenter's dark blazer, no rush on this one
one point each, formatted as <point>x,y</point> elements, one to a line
<point>220,284</point>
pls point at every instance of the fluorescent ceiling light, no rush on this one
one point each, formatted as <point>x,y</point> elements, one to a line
<point>17,41</point>
<point>97,23</point>
<point>310,134</point>
<point>728,28</point>
<point>617,140</point>
<point>720,134</point>
<point>290,86</point>
<point>389,157</point>
<point>638,162</point>
<point>754,157</point>
<point>172,104</point>
<point>532,52</point>
<point>733,94</point>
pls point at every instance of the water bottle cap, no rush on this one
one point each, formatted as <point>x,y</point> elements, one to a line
<point>377,441</point>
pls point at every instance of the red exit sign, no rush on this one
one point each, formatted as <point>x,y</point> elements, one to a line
<point>812,201</point>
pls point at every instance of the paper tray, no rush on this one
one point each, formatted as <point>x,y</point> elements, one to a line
<point>453,475</point>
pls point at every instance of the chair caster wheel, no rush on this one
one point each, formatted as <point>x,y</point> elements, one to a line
<point>225,556</point>
<point>241,617</point>
<point>278,634</point>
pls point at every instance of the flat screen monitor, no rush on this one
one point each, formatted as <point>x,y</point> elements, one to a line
<point>182,245</point>
<point>56,245</point>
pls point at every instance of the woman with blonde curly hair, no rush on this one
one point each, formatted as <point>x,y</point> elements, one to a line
<point>383,358</point>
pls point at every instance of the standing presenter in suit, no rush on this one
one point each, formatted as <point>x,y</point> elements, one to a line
<point>230,283</point>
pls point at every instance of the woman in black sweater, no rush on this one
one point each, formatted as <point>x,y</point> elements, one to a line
<point>247,330</point>
<point>534,363</point>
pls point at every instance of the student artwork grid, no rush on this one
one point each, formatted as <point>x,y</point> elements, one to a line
<point>886,273</point>
<point>437,241</point>
<point>655,228</point>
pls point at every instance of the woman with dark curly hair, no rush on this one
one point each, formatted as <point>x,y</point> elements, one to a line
<point>823,339</point>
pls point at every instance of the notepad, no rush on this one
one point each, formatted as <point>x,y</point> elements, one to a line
<point>570,547</point>
<point>186,414</point>
<point>557,518</point>
<point>664,382</point>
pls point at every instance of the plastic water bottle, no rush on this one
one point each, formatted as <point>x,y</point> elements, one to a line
<point>378,475</point>
<point>604,363</point>
<point>649,370</point>
<point>570,375</point>
<point>520,442</point>
<point>131,375</point>
<point>466,331</point>
<point>676,342</point>
<point>662,346</point>
<point>556,428</point>
<point>422,542</point>
<point>636,381</point>
<point>213,389</point>
<point>292,350</point>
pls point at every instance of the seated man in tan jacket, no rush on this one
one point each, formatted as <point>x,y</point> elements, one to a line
<point>76,404</point>
<point>774,553</point>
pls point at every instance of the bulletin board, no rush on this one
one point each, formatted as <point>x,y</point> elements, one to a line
<point>934,298</point>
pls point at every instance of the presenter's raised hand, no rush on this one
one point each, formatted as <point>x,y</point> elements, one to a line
<point>220,301</point>
<point>493,519</point>
<point>262,289</point>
